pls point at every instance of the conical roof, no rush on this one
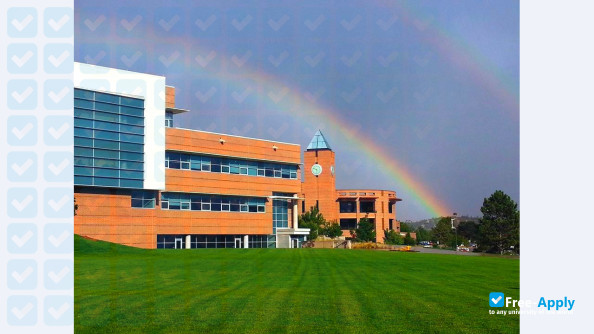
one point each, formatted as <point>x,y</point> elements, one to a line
<point>318,142</point>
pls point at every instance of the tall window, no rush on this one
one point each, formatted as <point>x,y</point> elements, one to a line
<point>108,140</point>
<point>280,212</point>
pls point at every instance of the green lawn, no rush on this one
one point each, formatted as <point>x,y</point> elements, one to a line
<point>122,289</point>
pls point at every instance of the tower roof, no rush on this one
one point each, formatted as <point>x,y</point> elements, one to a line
<point>318,142</point>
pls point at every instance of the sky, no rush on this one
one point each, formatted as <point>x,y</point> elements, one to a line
<point>420,97</point>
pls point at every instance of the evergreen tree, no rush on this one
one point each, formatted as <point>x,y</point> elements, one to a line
<point>365,230</point>
<point>313,220</point>
<point>500,225</point>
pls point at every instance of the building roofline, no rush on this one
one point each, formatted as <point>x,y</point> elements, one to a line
<point>236,136</point>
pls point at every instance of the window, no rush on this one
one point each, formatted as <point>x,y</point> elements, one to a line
<point>168,119</point>
<point>390,207</point>
<point>143,199</point>
<point>198,202</point>
<point>367,206</point>
<point>348,206</point>
<point>231,166</point>
<point>348,224</point>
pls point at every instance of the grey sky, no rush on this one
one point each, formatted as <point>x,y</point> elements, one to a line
<point>434,84</point>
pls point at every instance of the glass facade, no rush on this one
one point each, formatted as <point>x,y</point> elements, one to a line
<point>211,164</point>
<point>203,202</point>
<point>178,241</point>
<point>280,216</point>
<point>108,140</point>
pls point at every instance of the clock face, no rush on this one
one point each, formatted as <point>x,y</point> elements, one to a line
<point>316,169</point>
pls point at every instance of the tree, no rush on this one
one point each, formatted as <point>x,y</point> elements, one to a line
<point>500,225</point>
<point>392,237</point>
<point>443,232</point>
<point>423,234</point>
<point>313,220</point>
<point>405,227</point>
<point>365,231</point>
<point>75,206</point>
<point>331,229</point>
<point>468,230</point>
<point>408,240</point>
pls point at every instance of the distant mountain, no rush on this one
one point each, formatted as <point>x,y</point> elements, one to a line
<point>431,222</point>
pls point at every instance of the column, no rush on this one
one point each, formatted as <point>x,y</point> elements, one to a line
<point>188,241</point>
<point>295,215</point>
<point>245,241</point>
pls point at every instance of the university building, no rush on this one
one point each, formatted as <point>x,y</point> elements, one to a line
<point>141,181</point>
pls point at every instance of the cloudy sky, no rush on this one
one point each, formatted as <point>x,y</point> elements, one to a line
<point>421,97</point>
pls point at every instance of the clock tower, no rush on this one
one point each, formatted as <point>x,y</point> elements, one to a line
<point>319,184</point>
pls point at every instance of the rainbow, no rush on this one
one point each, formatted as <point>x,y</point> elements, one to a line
<point>304,111</point>
<point>415,190</point>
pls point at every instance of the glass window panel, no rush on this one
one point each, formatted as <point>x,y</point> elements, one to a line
<point>84,180</point>
<point>131,156</point>
<point>78,141</point>
<point>84,152</point>
<point>86,171</point>
<point>131,147</point>
<point>132,138</point>
<point>205,206</point>
<point>132,129</point>
<point>83,132</point>
<point>100,181</point>
<point>107,98</point>
<point>106,154</point>
<point>82,93</point>
<point>132,111</point>
<point>132,120</point>
<point>83,161</point>
<point>107,107</point>
<point>107,172</point>
<point>103,116</point>
<point>83,113</point>
<point>106,163</point>
<point>131,174</point>
<point>131,183</point>
<point>114,145</point>
<point>106,126</point>
<point>84,123</point>
<point>215,207</point>
<point>128,101</point>
<point>131,165</point>
<point>106,135</point>
<point>83,104</point>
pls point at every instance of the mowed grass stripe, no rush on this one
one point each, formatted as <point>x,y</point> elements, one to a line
<point>120,289</point>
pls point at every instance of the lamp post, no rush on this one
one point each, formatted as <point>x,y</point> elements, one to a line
<point>455,229</point>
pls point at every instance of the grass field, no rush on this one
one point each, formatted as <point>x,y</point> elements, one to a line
<point>122,289</point>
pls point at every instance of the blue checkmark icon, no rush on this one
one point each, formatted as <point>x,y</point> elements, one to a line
<point>496,299</point>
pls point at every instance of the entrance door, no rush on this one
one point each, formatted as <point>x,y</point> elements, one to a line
<point>178,243</point>
<point>237,242</point>
<point>294,243</point>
